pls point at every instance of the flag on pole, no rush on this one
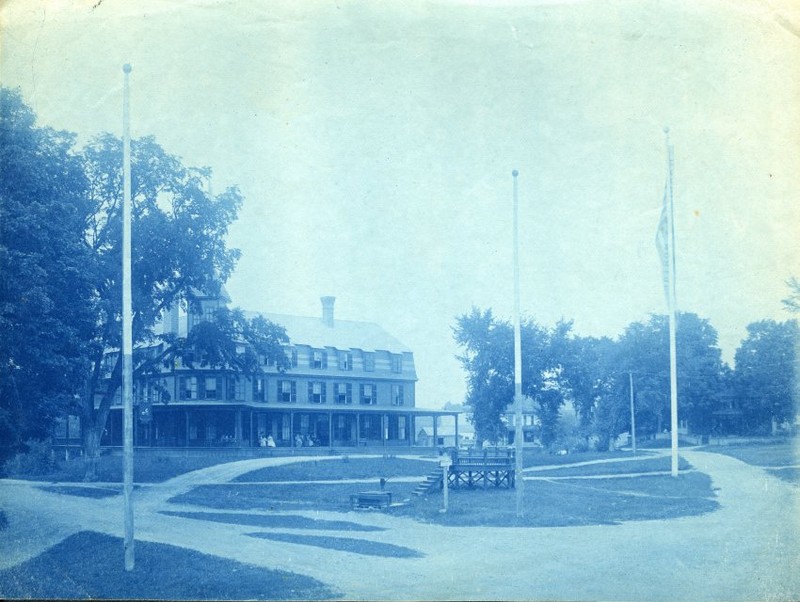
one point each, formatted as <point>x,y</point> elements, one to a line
<point>662,243</point>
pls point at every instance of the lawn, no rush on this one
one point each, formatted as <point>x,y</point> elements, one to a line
<point>548,503</point>
<point>308,496</point>
<point>629,464</point>
<point>146,469</point>
<point>780,459</point>
<point>90,565</point>
<point>345,467</point>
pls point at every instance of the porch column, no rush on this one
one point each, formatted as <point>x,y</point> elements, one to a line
<point>237,426</point>
<point>384,428</point>
<point>291,428</point>
<point>330,429</point>
<point>252,441</point>
<point>186,418</point>
<point>435,431</point>
<point>409,430</point>
<point>455,417</point>
<point>358,429</point>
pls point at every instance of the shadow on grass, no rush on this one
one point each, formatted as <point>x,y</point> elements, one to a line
<point>285,521</point>
<point>92,492</point>
<point>91,565</point>
<point>790,474</point>
<point>344,544</point>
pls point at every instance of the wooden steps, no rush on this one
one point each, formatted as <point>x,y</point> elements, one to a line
<point>431,482</point>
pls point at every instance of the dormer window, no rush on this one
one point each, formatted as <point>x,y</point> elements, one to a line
<point>345,360</point>
<point>397,363</point>
<point>319,359</point>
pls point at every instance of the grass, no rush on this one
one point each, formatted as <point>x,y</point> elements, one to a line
<point>309,496</point>
<point>90,565</point>
<point>275,521</point>
<point>630,465</point>
<point>341,468</point>
<point>146,469</point>
<point>364,547</point>
<point>780,459</point>
<point>548,503</point>
<point>92,492</point>
<point>571,502</point>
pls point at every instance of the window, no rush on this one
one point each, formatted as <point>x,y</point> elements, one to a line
<point>236,388</point>
<point>287,391</point>
<point>188,387</point>
<point>345,360</point>
<point>369,394</point>
<point>369,361</point>
<point>397,395</point>
<point>259,389</point>
<point>343,393</point>
<point>316,392</point>
<point>208,314</point>
<point>211,387</point>
<point>291,355</point>
<point>397,363</point>
<point>319,359</point>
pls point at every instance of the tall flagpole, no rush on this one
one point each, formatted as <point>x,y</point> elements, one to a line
<point>127,326</point>
<point>519,482</point>
<point>673,368</point>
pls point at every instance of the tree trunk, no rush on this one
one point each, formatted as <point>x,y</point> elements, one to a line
<point>91,450</point>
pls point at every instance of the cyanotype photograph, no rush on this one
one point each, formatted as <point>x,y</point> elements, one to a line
<point>427,300</point>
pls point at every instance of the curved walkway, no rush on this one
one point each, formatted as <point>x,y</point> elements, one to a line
<point>747,550</point>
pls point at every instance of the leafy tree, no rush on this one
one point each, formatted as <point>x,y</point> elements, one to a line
<point>488,360</point>
<point>586,370</point>
<point>178,248</point>
<point>764,374</point>
<point>792,302</point>
<point>47,303</point>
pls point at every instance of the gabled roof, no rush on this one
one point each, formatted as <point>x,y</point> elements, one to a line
<point>344,334</point>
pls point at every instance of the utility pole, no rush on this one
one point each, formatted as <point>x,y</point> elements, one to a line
<point>633,414</point>
<point>127,326</point>
<point>519,482</point>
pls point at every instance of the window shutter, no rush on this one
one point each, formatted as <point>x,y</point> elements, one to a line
<point>294,391</point>
<point>182,387</point>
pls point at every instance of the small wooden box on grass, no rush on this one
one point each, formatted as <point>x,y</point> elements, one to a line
<point>371,499</point>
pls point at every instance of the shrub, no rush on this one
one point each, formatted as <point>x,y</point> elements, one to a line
<point>39,459</point>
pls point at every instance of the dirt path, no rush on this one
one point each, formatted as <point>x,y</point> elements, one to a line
<point>747,550</point>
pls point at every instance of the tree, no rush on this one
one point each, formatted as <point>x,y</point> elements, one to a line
<point>764,374</point>
<point>47,302</point>
<point>792,302</point>
<point>588,371</point>
<point>178,248</point>
<point>644,351</point>
<point>488,360</point>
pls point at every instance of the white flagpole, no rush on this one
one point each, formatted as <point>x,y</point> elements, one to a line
<point>673,368</point>
<point>127,326</point>
<point>518,431</point>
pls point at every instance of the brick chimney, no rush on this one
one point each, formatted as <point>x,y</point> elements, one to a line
<point>327,310</point>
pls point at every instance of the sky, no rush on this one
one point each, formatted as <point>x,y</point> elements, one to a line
<point>374,145</point>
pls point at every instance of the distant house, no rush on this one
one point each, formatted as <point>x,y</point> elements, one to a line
<point>460,434</point>
<point>350,383</point>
